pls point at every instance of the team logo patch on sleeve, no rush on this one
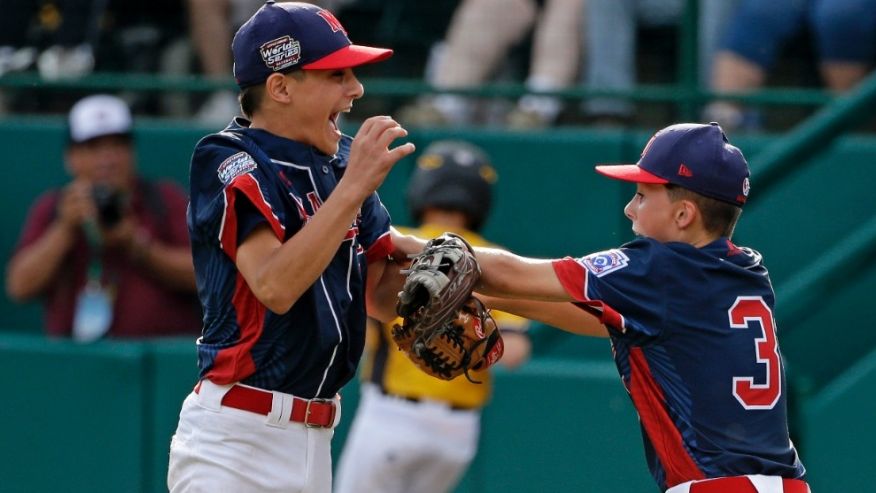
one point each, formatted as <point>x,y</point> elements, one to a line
<point>602,263</point>
<point>235,166</point>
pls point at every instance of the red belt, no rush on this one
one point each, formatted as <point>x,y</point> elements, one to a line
<point>741,484</point>
<point>313,413</point>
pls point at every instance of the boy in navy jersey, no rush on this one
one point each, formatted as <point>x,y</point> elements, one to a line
<point>290,243</point>
<point>689,314</point>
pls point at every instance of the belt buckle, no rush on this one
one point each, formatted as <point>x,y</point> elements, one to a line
<point>307,411</point>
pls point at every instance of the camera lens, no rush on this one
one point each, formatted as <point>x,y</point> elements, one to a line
<point>109,205</point>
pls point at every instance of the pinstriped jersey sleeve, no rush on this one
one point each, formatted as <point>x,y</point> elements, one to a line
<point>222,176</point>
<point>374,229</point>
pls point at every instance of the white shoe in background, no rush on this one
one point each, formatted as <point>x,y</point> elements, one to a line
<point>219,109</point>
<point>16,59</point>
<point>733,117</point>
<point>62,62</point>
<point>534,111</point>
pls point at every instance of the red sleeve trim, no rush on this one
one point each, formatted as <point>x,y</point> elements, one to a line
<point>249,187</point>
<point>573,277</point>
<point>606,314</point>
<point>381,248</point>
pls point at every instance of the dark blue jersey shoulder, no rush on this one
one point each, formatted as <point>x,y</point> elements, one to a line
<point>242,178</point>
<point>655,285</point>
<point>695,343</point>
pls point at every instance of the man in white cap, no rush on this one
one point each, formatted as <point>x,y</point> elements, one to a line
<point>285,224</point>
<point>109,252</point>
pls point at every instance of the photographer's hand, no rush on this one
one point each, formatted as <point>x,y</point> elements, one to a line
<point>121,235</point>
<point>33,268</point>
<point>129,235</point>
<point>76,204</point>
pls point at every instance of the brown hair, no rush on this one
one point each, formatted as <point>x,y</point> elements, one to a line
<point>718,217</point>
<point>251,97</point>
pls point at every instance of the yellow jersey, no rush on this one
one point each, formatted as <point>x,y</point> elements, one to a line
<point>392,371</point>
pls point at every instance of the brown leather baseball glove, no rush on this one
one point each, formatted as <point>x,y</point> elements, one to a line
<point>468,341</point>
<point>446,332</point>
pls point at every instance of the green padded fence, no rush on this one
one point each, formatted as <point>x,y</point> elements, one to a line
<point>559,425</point>
<point>86,418</point>
<point>171,370</point>
<point>550,203</point>
<point>839,430</point>
<point>100,417</point>
<point>74,418</point>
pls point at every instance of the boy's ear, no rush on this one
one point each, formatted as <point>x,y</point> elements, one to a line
<point>277,88</point>
<point>686,213</point>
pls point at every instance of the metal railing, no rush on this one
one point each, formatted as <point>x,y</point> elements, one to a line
<point>398,87</point>
<point>815,134</point>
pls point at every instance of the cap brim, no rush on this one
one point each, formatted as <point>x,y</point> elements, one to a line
<point>629,172</point>
<point>350,56</point>
<point>81,139</point>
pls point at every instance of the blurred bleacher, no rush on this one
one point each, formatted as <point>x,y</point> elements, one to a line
<point>100,416</point>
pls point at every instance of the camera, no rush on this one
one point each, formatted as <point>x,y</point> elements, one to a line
<point>109,203</point>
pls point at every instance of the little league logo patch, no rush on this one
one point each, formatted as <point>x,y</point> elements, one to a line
<point>602,263</point>
<point>281,53</point>
<point>235,166</point>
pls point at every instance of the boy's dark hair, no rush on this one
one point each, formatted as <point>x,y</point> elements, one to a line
<point>718,217</point>
<point>250,98</point>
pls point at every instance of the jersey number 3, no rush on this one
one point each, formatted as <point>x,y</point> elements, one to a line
<point>747,310</point>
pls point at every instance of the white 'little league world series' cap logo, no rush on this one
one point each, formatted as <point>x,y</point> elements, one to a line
<point>281,53</point>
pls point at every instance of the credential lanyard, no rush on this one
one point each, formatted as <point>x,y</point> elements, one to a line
<point>94,307</point>
<point>95,249</point>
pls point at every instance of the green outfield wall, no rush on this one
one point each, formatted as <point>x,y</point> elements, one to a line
<point>99,417</point>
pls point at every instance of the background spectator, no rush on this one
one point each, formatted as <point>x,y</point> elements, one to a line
<point>65,31</point>
<point>479,39</point>
<point>211,25</point>
<point>611,34</point>
<point>68,39</point>
<point>109,252</point>
<point>844,34</point>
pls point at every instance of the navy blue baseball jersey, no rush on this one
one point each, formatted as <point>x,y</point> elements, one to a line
<point>694,340</point>
<point>242,178</point>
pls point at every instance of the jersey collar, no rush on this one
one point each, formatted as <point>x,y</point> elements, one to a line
<point>281,148</point>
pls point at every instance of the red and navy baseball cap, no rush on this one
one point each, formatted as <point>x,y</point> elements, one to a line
<point>284,36</point>
<point>697,157</point>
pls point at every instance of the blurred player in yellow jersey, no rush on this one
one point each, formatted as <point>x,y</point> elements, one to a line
<point>413,432</point>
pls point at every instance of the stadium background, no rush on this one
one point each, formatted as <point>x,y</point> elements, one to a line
<point>99,417</point>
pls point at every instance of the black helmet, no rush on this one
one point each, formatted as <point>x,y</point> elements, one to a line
<point>453,175</point>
